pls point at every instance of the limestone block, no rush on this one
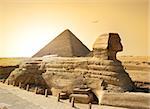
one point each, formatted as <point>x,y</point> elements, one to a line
<point>128,100</point>
<point>4,106</point>
<point>26,77</point>
<point>81,98</point>
<point>101,42</point>
<point>5,71</point>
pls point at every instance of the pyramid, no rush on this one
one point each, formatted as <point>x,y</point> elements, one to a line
<point>65,44</point>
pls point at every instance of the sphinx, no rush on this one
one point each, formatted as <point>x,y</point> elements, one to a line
<point>106,46</point>
<point>101,72</point>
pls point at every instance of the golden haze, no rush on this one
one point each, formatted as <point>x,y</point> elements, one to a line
<point>27,25</point>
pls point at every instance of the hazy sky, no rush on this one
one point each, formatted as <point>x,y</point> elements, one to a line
<point>27,25</point>
<point>149,28</point>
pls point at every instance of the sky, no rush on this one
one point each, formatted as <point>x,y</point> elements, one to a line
<point>28,25</point>
<point>149,28</point>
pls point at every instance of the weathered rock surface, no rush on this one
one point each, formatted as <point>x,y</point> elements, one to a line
<point>130,100</point>
<point>5,71</point>
<point>82,95</point>
<point>29,72</point>
<point>62,74</point>
<point>71,73</point>
<point>3,106</point>
<point>106,46</point>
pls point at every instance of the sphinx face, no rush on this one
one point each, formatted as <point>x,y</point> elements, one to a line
<point>107,45</point>
<point>114,43</point>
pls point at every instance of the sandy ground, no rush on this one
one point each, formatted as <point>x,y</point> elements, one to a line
<point>11,61</point>
<point>15,98</point>
<point>138,67</point>
<point>134,58</point>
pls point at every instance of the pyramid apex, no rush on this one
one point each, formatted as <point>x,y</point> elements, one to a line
<point>67,29</point>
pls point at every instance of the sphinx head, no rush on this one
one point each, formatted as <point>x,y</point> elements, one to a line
<point>106,46</point>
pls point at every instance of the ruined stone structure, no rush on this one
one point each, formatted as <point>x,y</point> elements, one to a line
<point>6,70</point>
<point>59,74</point>
<point>29,72</point>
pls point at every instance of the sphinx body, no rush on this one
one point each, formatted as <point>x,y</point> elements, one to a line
<point>90,71</point>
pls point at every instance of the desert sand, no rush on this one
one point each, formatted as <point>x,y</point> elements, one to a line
<point>16,98</point>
